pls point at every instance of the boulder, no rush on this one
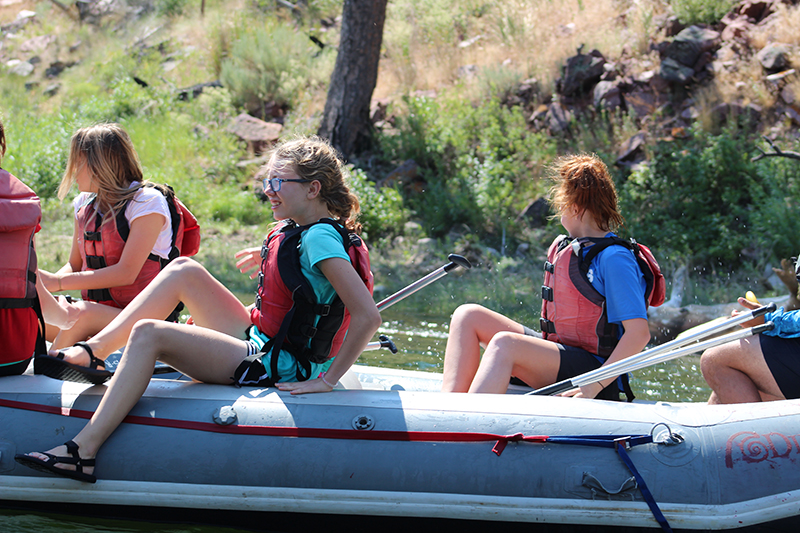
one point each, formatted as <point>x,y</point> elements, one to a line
<point>788,95</point>
<point>607,95</point>
<point>37,44</point>
<point>258,134</point>
<point>56,68</point>
<point>20,68</point>
<point>676,72</point>
<point>689,45</point>
<point>581,72</point>
<point>557,118</point>
<point>642,100</point>
<point>774,57</point>
<point>737,30</point>
<point>631,152</point>
<point>535,213</point>
<point>726,112</point>
<point>404,175</point>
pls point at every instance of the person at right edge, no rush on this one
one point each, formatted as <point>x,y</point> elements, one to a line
<point>608,295</point>
<point>761,368</point>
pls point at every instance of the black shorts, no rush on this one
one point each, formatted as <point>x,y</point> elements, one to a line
<point>15,369</point>
<point>577,361</point>
<point>783,359</point>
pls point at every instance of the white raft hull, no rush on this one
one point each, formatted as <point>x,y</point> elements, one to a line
<point>392,446</point>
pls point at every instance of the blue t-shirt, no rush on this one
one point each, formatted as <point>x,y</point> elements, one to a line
<point>617,276</point>
<point>787,323</point>
<point>320,242</point>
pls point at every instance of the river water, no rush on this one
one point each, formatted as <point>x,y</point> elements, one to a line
<point>420,344</point>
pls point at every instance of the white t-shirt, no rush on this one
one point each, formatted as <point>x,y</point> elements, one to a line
<point>147,200</point>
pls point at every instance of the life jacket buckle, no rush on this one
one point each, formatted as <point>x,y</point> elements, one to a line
<point>547,293</point>
<point>547,326</point>
<point>95,261</point>
<point>308,331</point>
<point>93,236</point>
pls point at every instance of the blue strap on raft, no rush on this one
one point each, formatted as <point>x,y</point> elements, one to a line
<point>621,444</point>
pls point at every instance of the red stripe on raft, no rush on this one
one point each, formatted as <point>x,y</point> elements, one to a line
<point>280,431</point>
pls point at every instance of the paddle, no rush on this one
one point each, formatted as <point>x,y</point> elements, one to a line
<point>384,342</point>
<point>455,262</point>
<point>663,353</point>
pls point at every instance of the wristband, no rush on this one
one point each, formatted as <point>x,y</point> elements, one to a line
<point>325,381</point>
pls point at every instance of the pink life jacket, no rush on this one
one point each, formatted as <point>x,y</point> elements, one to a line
<point>286,308</point>
<point>103,246</point>
<point>573,311</point>
<point>21,321</point>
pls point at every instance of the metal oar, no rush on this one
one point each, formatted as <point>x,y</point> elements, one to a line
<point>665,352</point>
<point>455,262</point>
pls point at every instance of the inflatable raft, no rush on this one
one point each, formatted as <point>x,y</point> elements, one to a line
<point>386,444</point>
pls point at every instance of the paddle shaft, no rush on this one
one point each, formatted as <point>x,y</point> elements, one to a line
<point>455,262</point>
<point>607,372</point>
<point>654,355</point>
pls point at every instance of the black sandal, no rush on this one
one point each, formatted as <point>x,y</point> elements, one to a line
<point>49,465</point>
<point>57,368</point>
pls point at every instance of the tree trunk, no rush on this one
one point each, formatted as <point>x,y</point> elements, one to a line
<point>345,121</point>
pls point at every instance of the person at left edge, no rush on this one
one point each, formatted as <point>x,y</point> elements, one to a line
<point>25,305</point>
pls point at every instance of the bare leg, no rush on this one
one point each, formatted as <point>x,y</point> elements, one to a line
<point>471,328</point>
<point>738,373</point>
<point>535,361</point>
<point>202,353</point>
<point>184,280</point>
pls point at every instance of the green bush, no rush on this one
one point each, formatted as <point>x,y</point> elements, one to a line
<point>170,8</point>
<point>702,201</point>
<point>701,11</point>
<point>274,63</point>
<point>382,211</point>
<point>480,163</point>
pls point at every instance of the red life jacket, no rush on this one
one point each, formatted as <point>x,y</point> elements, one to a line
<point>21,321</point>
<point>573,311</point>
<point>286,308</point>
<point>103,246</point>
